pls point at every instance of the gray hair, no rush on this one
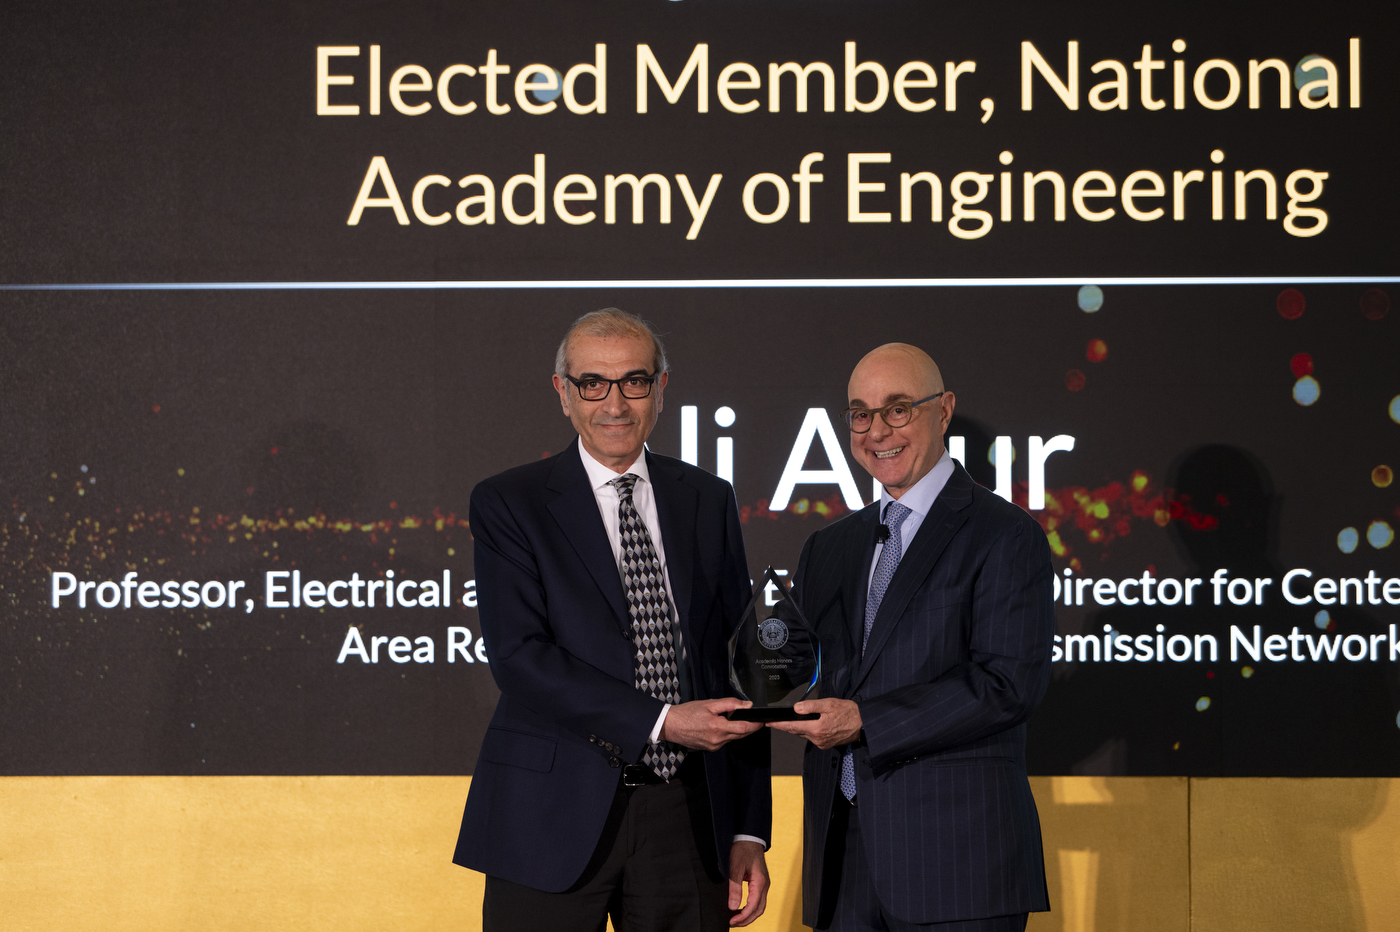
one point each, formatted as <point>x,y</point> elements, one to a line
<point>610,322</point>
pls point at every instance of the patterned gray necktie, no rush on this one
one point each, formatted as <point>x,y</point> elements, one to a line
<point>657,673</point>
<point>895,513</point>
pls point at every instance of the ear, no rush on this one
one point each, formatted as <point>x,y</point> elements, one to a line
<point>562,387</point>
<point>661,387</point>
<point>947,403</point>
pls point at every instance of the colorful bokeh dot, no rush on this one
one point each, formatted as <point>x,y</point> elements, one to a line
<point>1382,476</point>
<point>1090,298</point>
<point>1395,409</point>
<point>545,94</point>
<point>1301,365</point>
<point>1347,539</point>
<point>1375,303</point>
<point>1380,534</point>
<point>1097,351</point>
<point>1203,703</point>
<point>1291,303</point>
<point>1321,620</point>
<point>1074,380</point>
<point>1305,73</point>
<point>1247,672</point>
<point>1306,391</point>
<point>992,454</point>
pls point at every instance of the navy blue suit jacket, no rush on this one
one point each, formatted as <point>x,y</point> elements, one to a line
<point>559,638</point>
<point>958,656</point>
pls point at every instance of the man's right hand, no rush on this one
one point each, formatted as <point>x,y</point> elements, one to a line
<point>701,725</point>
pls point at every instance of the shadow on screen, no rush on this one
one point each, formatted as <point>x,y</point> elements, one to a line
<point>977,441</point>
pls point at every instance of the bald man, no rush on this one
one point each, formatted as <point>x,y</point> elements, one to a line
<point>935,612</point>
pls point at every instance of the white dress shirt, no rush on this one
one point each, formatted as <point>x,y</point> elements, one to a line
<point>644,500</point>
<point>918,499</point>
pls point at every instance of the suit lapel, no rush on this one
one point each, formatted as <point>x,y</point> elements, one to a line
<point>948,514</point>
<point>576,511</point>
<point>854,587</point>
<point>854,582</point>
<point>676,505</point>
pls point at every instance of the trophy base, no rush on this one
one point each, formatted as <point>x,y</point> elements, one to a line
<point>776,714</point>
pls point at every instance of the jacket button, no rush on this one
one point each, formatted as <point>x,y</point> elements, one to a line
<point>614,762</point>
<point>834,762</point>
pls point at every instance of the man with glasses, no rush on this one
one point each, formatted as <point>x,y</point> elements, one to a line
<point>935,611</point>
<point>608,580</point>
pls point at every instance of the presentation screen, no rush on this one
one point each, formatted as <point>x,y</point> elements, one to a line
<point>282,284</point>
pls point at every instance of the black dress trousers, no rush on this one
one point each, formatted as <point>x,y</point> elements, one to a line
<point>653,870</point>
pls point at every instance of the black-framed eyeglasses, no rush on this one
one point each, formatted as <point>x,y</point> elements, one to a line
<point>895,414</point>
<point>592,388</point>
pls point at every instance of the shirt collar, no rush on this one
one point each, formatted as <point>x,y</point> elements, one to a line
<point>600,475</point>
<point>921,495</point>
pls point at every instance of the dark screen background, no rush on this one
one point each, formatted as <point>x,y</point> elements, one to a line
<point>208,434</point>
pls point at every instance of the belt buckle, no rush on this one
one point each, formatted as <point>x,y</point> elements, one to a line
<point>638,775</point>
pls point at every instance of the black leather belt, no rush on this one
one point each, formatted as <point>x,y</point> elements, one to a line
<point>640,775</point>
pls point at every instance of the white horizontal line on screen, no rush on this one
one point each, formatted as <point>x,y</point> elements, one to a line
<point>717,283</point>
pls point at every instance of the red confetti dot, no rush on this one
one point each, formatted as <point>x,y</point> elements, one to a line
<point>155,408</point>
<point>274,451</point>
<point>1291,303</point>
<point>250,490</point>
<point>1301,365</point>
<point>1074,380</point>
<point>1374,304</point>
<point>1097,351</point>
<point>393,504</point>
<point>1210,674</point>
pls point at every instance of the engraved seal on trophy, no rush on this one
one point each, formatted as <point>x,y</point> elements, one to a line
<point>773,634</point>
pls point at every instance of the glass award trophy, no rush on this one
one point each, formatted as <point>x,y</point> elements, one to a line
<point>775,659</point>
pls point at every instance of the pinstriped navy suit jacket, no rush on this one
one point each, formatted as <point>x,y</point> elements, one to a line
<point>958,657</point>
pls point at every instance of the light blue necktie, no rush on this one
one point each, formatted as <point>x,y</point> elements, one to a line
<point>895,513</point>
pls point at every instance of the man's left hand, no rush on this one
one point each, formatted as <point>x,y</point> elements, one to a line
<point>839,723</point>
<point>746,864</point>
